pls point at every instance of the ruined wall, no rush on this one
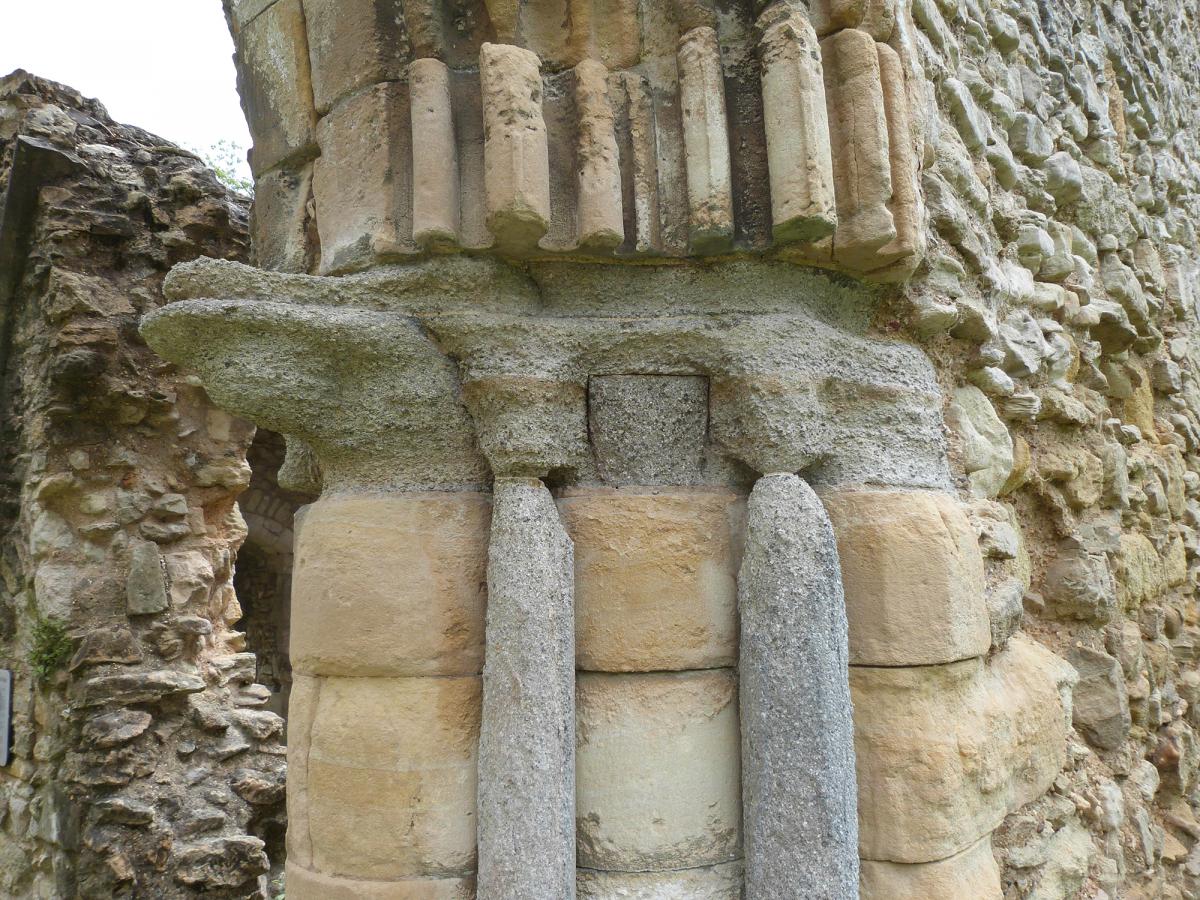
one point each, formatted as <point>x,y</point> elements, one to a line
<point>1026,171</point>
<point>144,763</point>
<point>1058,303</point>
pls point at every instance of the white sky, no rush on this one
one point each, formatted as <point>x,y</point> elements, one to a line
<point>163,65</point>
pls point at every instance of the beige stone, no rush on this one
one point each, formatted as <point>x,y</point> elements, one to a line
<point>392,776</point>
<point>600,216</point>
<point>876,17</point>
<point>859,136</point>
<point>436,207</point>
<point>722,882</point>
<point>353,43</point>
<point>391,585</point>
<point>302,711</point>
<point>362,181</point>
<point>655,577</point>
<point>657,770</point>
<point>279,220</point>
<point>705,141</point>
<point>305,884</point>
<point>516,157</point>
<point>905,204</point>
<point>913,577</point>
<point>803,207</point>
<point>275,85</point>
<point>630,93</point>
<point>945,752</point>
<point>971,874</point>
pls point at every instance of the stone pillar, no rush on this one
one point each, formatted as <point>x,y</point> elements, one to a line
<point>527,746</point>
<point>797,736</point>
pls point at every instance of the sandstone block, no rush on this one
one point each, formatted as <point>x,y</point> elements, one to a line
<point>146,586</point>
<point>803,206</point>
<point>280,221</point>
<point>516,157</point>
<point>797,735</point>
<point>391,585</point>
<point>302,711</point>
<point>705,141</point>
<point>974,742</point>
<point>858,130</point>
<point>657,771</point>
<point>913,577</point>
<point>362,181</point>
<point>391,777</point>
<point>275,85</point>
<point>1100,706</point>
<point>637,138</point>
<point>876,17</point>
<point>905,204</point>
<point>354,43</point>
<point>722,882</point>
<point>600,216</point>
<point>305,884</point>
<point>972,873</point>
<point>655,577</point>
<point>436,209</point>
<point>527,739</point>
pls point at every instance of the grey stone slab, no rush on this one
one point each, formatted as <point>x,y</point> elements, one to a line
<point>527,736</point>
<point>799,794</point>
<point>648,429</point>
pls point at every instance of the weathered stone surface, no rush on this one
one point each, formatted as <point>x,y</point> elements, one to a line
<point>527,737</point>
<point>657,770</point>
<point>280,223</point>
<point>516,161</point>
<point>392,795</point>
<point>305,884</point>
<point>986,445</point>
<point>275,84</point>
<point>1100,709</point>
<point>905,203</point>
<point>436,201</point>
<point>391,584</point>
<point>146,587</point>
<point>876,17</point>
<point>972,873</point>
<point>126,688</point>
<point>1005,746</point>
<point>648,429</point>
<point>722,882</point>
<point>362,181</point>
<point>600,214</point>
<point>803,206</point>
<point>116,728</point>
<point>221,862</point>
<point>352,44</point>
<point>655,577</point>
<point>797,737</point>
<point>1079,585</point>
<point>705,141</point>
<point>858,131</point>
<point>913,577</point>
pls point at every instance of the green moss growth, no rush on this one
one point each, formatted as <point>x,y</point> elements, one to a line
<point>51,650</point>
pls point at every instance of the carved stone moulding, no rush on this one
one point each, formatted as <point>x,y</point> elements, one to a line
<point>586,129</point>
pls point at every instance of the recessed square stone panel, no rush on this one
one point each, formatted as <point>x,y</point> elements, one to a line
<point>648,429</point>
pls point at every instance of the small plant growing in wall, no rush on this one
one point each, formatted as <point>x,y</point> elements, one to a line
<point>51,648</point>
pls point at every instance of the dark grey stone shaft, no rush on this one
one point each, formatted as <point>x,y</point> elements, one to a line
<point>799,795</point>
<point>527,737</point>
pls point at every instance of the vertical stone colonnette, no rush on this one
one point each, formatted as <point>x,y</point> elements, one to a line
<point>798,778</point>
<point>527,744</point>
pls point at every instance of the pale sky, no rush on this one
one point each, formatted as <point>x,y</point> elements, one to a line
<point>163,65</point>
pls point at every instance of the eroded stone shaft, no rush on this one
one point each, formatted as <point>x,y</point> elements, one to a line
<point>798,777</point>
<point>527,736</point>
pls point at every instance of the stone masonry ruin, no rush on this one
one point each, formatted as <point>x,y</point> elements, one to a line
<point>737,449</point>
